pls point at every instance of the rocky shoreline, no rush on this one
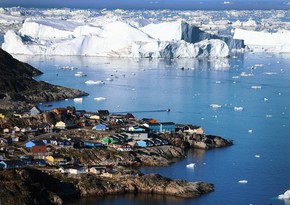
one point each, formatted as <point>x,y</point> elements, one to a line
<point>32,186</point>
<point>18,89</point>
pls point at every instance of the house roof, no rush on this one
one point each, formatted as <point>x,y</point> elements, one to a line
<point>104,112</point>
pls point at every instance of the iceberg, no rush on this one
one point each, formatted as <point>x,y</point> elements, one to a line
<point>264,41</point>
<point>100,99</point>
<point>243,181</point>
<point>192,165</point>
<point>286,195</point>
<point>113,39</point>
<point>91,82</point>
<point>238,108</point>
<point>215,106</point>
<point>78,100</point>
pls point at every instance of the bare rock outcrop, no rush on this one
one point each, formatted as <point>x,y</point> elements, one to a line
<point>17,85</point>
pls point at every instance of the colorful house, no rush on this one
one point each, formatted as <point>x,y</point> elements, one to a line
<point>161,127</point>
<point>100,127</point>
<point>2,116</point>
<point>109,140</point>
<point>144,143</point>
<point>91,144</point>
<point>39,150</point>
<point>32,143</point>
<point>77,169</point>
<point>35,110</point>
<point>57,159</point>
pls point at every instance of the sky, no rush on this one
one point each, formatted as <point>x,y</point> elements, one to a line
<point>150,4</point>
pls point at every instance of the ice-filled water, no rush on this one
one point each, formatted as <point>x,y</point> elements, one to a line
<point>188,87</point>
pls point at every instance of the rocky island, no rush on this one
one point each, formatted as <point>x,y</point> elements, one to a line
<point>18,88</point>
<point>47,157</point>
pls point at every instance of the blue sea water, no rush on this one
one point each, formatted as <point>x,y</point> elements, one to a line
<point>258,82</point>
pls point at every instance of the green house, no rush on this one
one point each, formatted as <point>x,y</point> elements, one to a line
<point>109,140</point>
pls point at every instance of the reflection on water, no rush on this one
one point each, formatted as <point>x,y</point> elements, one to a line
<point>139,199</point>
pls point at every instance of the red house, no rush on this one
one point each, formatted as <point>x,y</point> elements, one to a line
<point>39,150</point>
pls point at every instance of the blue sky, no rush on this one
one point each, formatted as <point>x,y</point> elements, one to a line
<point>150,4</point>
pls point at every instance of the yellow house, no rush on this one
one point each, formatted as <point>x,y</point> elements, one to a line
<point>94,117</point>
<point>55,159</point>
<point>2,116</point>
<point>60,125</point>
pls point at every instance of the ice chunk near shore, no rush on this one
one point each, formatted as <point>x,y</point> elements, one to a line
<point>192,165</point>
<point>78,100</point>
<point>286,195</point>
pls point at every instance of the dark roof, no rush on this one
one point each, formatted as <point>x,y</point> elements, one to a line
<point>38,143</point>
<point>103,112</point>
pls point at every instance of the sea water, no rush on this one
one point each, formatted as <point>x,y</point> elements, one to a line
<point>256,83</point>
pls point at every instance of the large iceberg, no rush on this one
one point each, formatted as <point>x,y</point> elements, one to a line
<point>264,41</point>
<point>165,40</point>
<point>286,195</point>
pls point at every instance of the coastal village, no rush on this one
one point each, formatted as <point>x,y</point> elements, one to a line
<point>43,139</point>
<point>68,153</point>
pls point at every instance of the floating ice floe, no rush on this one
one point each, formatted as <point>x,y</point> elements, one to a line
<point>98,82</point>
<point>80,74</point>
<point>270,73</point>
<point>243,181</point>
<point>244,74</point>
<point>78,99</point>
<point>256,87</point>
<point>68,68</point>
<point>238,108</point>
<point>250,131</point>
<point>286,195</point>
<point>215,106</point>
<point>192,165</point>
<point>236,77</point>
<point>257,156</point>
<point>100,99</point>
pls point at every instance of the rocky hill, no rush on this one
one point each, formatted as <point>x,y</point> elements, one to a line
<point>30,186</point>
<point>17,84</point>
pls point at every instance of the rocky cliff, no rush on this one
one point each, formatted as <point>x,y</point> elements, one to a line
<point>29,186</point>
<point>17,84</point>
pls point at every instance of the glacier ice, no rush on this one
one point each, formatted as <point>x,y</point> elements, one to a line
<point>118,39</point>
<point>286,195</point>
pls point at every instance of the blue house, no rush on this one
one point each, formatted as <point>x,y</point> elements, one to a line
<point>144,143</point>
<point>100,127</point>
<point>33,143</point>
<point>162,126</point>
<point>167,127</point>
<point>90,144</point>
